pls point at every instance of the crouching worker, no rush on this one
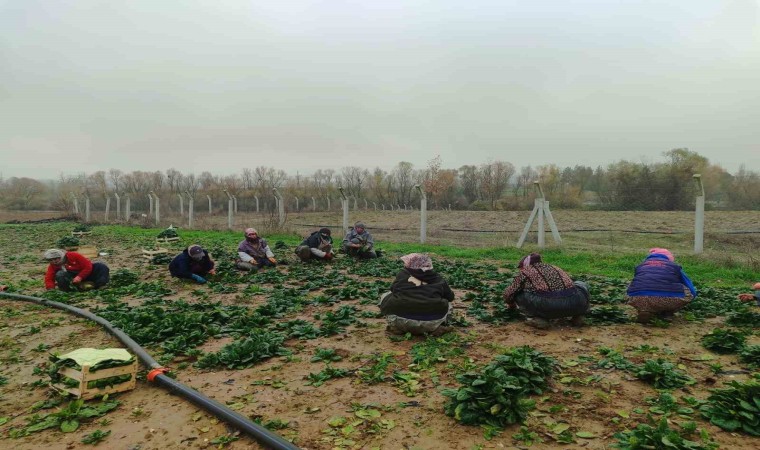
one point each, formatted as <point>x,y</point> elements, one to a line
<point>359,243</point>
<point>659,287</point>
<point>194,263</point>
<point>543,292</point>
<point>317,246</point>
<point>418,301</point>
<point>71,268</point>
<point>254,252</point>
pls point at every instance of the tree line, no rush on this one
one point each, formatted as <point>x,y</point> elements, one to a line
<point>495,185</point>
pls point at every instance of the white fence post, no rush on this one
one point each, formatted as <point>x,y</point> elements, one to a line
<point>118,205</point>
<point>344,202</point>
<point>234,200</point>
<point>699,216</point>
<point>328,203</point>
<point>150,206</point>
<point>540,209</point>
<point>230,206</point>
<point>190,212</point>
<point>257,202</point>
<point>108,207</point>
<point>86,207</point>
<point>280,206</point>
<point>296,203</point>
<point>313,204</point>
<point>158,209</point>
<point>76,203</point>
<point>128,208</point>
<point>181,205</point>
<point>423,214</point>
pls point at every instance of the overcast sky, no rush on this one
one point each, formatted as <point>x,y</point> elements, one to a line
<point>218,85</point>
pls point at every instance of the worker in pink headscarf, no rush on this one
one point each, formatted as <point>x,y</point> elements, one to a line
<point>254,252</point>
<point>659,287</point>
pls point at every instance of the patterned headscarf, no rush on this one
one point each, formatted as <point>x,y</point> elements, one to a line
<point>417,261</point>
<point>529,260</point>
<point>250,231</point>
<point>662,251</point>
<point>53,253</point>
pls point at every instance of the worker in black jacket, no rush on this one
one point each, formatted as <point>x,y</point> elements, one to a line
<point>418,301</point>
<point>318,246</point>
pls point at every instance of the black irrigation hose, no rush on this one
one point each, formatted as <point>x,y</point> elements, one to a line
<point>261,434</point>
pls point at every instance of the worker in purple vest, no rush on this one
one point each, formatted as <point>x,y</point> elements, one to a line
<point>660,287</point>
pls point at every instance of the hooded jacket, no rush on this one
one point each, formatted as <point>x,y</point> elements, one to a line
<point>418,295</point>
<point>184,266</point>
<point>659,277</point>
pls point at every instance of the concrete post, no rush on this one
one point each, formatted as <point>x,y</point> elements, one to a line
<point>108,207</point>
<point>190,206</point>
<point>257,202</point>
<point>328,203</point>
<point>313,204</point>
<point>209,203</point>
<point>280,206</point>
<point>423,214</point>
<point>344,202</point>
<point>150,205</point>
<point>296,203</point>
<point>230,206</point>
<point>699,215</point>
<point>128,209</point>
<point>234,200</point>
<point>86,208</point>
<point>118,205</point>
<point>158,208</point>
<point>76,204</point>
<point>375,205</point>
<point>181,205</point>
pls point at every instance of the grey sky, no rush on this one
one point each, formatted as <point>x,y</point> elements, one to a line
<point>90,85</point>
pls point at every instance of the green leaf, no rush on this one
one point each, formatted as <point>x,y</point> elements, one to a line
<point>585,435</point>
<point>69,426</point>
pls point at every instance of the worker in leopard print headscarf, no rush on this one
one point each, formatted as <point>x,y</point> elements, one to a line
<point>543,292</point>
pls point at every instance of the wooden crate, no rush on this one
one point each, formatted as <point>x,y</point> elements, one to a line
<point>81,233</point>
<point>88,251</point>
<point>149,254</point>
<point>166,240</point>
<point>85,376</point>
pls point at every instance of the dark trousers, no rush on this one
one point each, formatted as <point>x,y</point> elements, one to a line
<point>99,276</point>
<point>576,304</point>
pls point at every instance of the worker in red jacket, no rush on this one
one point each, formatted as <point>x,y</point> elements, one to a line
<point>67,268</point>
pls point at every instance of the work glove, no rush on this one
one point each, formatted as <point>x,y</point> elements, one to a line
<point>198,279</point>
<point>329,256</point>
<point>272,260</point>
<point>77,279</point>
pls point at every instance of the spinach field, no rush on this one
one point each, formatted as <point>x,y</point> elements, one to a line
<point>301,349</point>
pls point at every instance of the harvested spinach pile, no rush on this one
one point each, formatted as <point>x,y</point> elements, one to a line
<point>68,242</point>
<point>122,277</point>
<point>82,228</point>
<point>170,232</point>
